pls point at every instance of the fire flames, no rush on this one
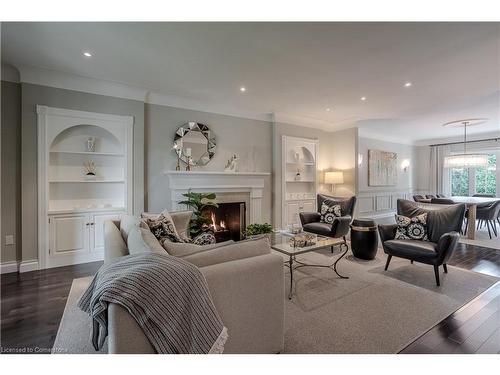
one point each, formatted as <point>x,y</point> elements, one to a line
<point>220,227</point>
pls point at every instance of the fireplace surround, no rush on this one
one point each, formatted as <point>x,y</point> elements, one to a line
<point>245,187</point>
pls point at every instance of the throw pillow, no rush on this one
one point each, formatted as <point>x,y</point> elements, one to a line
<point>412,228</point>
<point>141,240</point>
<point>163,228</point>
<point>205,238</point>
<point>329,211</point>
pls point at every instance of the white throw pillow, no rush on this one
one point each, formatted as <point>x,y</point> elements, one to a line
<point>129,222</point>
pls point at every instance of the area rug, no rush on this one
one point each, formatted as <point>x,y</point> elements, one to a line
<point>371,312</point>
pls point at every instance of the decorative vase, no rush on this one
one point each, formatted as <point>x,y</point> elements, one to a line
<point>90,176</point>
<point>90,144</point>
<point>298,177</point>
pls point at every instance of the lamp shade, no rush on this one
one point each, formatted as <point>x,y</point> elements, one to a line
<point>334,178</point>
<point>466,161</point>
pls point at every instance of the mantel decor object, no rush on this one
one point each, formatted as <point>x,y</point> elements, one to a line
<point>232,164</point>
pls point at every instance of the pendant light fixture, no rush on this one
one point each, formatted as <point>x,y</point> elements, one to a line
<point>466,160</point>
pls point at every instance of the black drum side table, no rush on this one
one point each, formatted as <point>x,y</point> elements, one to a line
<point>364,238</point>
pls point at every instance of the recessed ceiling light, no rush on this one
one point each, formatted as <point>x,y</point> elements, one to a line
<point>328,109</point>
<point>363,98</point>
<point>87,54</point>
<point>243,89</point>
<point>408,84</point>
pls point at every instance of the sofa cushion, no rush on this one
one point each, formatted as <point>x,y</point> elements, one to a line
<point>184,249</point>
<point>129,222</point>
<point>329,211</point>
<point>238,250</point>
<point>411,249</point>
<point>141,240</point>
<point>412,228</point>
<point>318,228</point>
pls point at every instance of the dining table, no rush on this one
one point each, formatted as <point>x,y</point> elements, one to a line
<point>472,203</point>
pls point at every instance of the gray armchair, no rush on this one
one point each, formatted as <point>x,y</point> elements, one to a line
<point>443,227</point>
<point>339,228</point>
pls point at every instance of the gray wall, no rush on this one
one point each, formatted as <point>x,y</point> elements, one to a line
<point>381,200</point>
<point>11,170</point>
<point>250,139</point>
<point>54,97</point>
<point>336,151</point>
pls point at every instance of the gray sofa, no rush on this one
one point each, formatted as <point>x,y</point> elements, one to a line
<point>248,294</point>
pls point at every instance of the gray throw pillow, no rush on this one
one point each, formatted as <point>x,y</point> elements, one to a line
<point>141,240</point>
<point>411,228</point>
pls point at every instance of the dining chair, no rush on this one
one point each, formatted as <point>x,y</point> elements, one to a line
<point>442,201</point>
<point>490,216</point>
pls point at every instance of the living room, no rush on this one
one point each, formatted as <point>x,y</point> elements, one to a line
<point>336,195</point>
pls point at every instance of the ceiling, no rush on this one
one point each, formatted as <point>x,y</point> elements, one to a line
<point>298,69</point>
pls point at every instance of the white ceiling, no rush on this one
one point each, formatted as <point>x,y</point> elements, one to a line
<point>298,69</point>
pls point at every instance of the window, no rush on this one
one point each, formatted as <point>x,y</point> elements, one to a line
<point>486,182</point>
<point>459,181</point>
<point>469,181</point>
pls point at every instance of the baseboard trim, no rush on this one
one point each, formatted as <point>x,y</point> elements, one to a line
<point>9,267</point>
<point>28,266</point>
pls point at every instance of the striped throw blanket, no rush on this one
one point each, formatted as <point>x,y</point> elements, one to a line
<point>167,297</point>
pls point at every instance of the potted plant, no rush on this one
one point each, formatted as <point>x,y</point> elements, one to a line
<point>258,229</point>
<point>200,222</point>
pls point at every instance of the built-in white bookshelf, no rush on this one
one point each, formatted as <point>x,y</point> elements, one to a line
<point>299,177</point>
<point>73,205</point>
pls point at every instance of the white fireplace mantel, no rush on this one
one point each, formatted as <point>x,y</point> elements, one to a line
<point>252,183</point>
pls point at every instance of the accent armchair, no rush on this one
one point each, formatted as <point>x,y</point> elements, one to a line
<point>339,228</point>
<point>443,227</point>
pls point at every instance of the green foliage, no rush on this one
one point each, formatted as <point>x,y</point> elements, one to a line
<point>254,229</point>
<point>197,202</point>
<point>485,179</point>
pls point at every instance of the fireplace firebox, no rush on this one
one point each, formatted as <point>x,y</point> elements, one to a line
<point>227,220</point>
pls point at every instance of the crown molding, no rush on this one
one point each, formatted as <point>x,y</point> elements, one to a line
<point>156,98</point>
<point>60,80</point>
<point>9,73</point>
<point>383,137</point>
<point>310,122</point>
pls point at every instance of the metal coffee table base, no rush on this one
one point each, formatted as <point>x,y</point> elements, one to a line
<point>333,266</point>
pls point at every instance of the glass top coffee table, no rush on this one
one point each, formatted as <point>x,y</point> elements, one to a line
<point>292,245</point>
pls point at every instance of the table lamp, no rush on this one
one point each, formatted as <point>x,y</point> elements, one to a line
<point>334,178</point>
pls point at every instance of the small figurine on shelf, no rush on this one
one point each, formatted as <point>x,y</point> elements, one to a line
<point>298,177</point>
<point>232,164</point>
<point>91,144</point>
<point>90,170</point>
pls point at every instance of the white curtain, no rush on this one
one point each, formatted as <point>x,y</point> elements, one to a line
<point>439,179</point>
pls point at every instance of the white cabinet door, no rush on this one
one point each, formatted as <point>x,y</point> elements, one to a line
<point>292,213</point>
<point>68,240</point>
<point>68,234</point>
<point>308,206</point>
<point>97,229</point>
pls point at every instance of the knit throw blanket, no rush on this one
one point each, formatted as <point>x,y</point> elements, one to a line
<point>167,297</point>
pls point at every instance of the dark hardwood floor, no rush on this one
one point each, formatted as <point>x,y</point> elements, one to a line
<point>32,305</point>
<point>474,328</point>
